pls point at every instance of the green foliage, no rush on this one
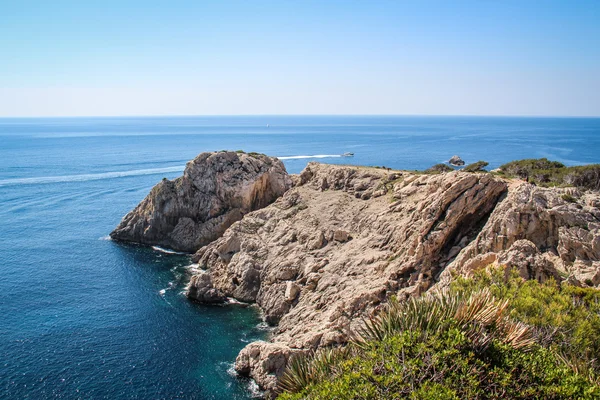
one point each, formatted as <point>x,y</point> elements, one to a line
<point>566,318</point>
<point>480,316</point>
<point>446,366</point>
<point>568,198</point>
<point>493,336</point>
<point>476,167</point>
<point>438,169</point>
<point>240,151</point>
<point>552,173</point>
<point>521,167</point>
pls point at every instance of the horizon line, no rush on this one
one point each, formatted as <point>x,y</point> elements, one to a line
<point>299,115</point>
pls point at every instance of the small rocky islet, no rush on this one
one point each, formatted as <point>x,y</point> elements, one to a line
<point>321,251</point>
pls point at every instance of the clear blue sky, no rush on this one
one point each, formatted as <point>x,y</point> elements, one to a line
<point>486,57</point>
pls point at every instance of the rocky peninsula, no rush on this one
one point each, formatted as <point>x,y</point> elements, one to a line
<point>320,251</point>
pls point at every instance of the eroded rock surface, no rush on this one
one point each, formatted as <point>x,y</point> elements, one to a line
<point>542,232</point>
<point>343,239</point>
<point>336,245</point>
<point>216,190</point>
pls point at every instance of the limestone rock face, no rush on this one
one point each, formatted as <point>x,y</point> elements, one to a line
<point>216,190</point>
<point>332,248</point>
<point>541,234</point>
<point>328,251</point>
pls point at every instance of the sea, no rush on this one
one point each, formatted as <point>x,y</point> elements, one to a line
<point>83,317</point>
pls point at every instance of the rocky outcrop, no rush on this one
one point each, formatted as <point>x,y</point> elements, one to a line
<point>338,244</point>
<point>542,232</point>
<point>456,161</point>
<point>329,250</point>
<point>216,190</point>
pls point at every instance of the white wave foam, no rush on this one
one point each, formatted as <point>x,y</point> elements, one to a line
<point>162,292</point>
<point>313,156</point>
<point>105,238</point>
<point>254,390</point>
<point>231,300</point>
<point>231,370</point>
<point>263,326</point>
<point>88,177</point>
<point>167,251</point>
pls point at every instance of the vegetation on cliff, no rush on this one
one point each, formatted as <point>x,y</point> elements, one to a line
<point>552,173</point>
<point>476,167</point>
<point>438,169</point>
<point>493,336</point>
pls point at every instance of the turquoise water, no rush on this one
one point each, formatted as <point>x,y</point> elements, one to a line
<point>84,317</point>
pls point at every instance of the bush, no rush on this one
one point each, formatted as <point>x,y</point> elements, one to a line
<point>566,318</point>
<point>476,167</point>
<point>494,336</point>
<point>525,167</point>
<point>552,173</point>
<point>439,168</point>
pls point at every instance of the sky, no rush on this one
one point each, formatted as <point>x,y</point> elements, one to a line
<point>178,57</point>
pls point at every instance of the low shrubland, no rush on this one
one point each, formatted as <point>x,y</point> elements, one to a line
<point>552,173</point>
<point>492,336</point>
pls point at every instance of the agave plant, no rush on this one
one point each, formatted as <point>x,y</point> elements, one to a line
<point>480,316</point>
<point>305,368</point>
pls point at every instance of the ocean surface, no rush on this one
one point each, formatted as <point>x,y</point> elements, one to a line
<point>84,317</point>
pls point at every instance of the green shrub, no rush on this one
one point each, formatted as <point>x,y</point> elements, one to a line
<point>493,336</point>
<point>522,167</point>
<point>476,167</point>
<point>568,198</point>
<point>552,173</point>
<point>565,317</point>
<point>439,168</point>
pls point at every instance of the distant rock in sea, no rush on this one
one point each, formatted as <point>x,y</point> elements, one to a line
<point>456,161</point>
<point>216,190</point>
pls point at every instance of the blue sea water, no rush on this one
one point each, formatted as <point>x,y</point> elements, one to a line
<point>85,317</point>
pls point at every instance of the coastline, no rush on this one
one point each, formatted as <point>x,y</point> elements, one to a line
<point>332,248</point>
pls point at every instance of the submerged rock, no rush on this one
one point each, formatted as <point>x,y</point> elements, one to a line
<point>216,190</point>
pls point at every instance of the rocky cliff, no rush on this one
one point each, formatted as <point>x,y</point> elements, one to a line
<point>344,239</point>
<point>542,232</point>
<point>337,244</point>
<point>216,190</point>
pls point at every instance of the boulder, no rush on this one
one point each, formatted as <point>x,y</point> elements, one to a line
<point>200,288</point>
<point>456,161</point>
<point>264,362</point>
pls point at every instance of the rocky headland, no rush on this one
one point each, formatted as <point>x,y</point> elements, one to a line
<point>216,190</point>
<point>320,251</point>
